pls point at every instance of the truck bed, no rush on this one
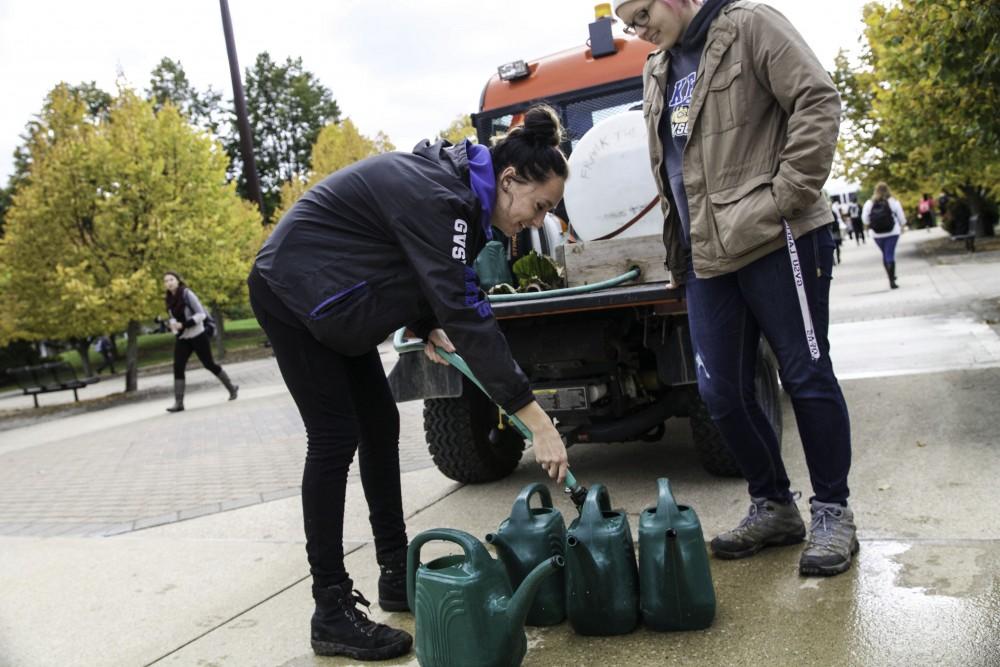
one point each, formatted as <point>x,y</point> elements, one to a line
<point>663,297</point>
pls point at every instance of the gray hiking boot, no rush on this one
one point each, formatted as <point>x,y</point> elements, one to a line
<point>833,540</point>
<point>767,524</point>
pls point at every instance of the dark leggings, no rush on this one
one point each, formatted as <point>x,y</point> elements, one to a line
<point>201,346</point>
<point>346,406</point>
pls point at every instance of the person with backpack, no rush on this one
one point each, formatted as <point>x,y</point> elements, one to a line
<point>925,212</point>
<point>884,216</point>
<point>194,329</point>
<point>742,121</point>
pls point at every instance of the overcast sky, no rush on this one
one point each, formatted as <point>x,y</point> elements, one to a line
<point>401,66</point>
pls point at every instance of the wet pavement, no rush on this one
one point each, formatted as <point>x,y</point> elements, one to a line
<point>181,534</point>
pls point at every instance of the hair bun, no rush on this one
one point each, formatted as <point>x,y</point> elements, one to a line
<point>542,126</point>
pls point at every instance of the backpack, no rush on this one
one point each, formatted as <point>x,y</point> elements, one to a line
<point>880,218</point>
<point>208,322</point>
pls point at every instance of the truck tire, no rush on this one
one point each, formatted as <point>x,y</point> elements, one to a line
<point>712,450</point>
<point>458,438</point>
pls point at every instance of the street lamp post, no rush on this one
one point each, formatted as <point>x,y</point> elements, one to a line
<point>242,121</point>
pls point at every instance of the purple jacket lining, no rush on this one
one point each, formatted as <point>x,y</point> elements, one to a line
<point>313,314</point>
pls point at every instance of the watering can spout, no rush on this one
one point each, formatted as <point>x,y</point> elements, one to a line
<point>520,603</point>
<point>584,558</point>
<point>504,550</point>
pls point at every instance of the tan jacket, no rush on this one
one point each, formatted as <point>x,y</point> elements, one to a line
<point>763,122</point>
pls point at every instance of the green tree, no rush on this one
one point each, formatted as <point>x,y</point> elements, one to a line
<point>110,206</point>
<point>47,126</point>
<point>338,145</point>
<point>287,107</point>
<point>168,82</point>
<point>922,107</point>
<point>460,129</point>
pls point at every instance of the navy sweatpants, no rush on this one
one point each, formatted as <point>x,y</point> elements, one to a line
<point>791,308</point>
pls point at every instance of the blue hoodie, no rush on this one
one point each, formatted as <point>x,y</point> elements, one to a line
<point>674,128</point>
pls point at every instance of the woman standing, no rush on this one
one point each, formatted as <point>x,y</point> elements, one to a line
<point>884,216</point>
<point>742,122</point>
<point>385,243</point>
<point>186,320</point>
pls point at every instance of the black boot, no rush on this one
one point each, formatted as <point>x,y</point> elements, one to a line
<point>340,628</point>
<point>234,389</point>
<point>392,581</point>
<point>178,396</point>
<point>891,268</point>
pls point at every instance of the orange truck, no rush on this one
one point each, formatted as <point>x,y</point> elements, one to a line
<point>609,365</point>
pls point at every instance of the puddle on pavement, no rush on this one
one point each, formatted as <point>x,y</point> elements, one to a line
<point>927,603</point>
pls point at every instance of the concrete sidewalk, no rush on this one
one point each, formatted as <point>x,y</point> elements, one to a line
<point>133,537</point>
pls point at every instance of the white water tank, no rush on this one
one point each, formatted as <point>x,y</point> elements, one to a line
<point>610,181</point>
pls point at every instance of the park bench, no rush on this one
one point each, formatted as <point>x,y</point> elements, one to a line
<point>968,234</point>
<point>49,377</point>
<point>970,240</point>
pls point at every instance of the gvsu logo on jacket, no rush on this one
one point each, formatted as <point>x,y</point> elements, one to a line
<point>458,249</point>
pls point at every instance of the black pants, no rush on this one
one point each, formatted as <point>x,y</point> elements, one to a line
<point>346,406</point>
<point>109,362</point>
<point>859,231</point>
<point>201,346</point>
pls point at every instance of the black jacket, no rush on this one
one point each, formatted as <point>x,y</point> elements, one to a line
<point>389,242</point>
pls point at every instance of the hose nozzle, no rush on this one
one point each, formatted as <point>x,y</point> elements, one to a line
<point>577,492</point>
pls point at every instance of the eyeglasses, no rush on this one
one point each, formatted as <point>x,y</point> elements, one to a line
<point>639,20</point>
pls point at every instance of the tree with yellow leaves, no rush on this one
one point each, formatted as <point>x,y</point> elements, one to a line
<point>460,129</point>
<point>337,146</point>
<point>110,205</point>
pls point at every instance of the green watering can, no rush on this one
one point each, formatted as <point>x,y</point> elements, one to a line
<point>602,582</point>
<point>465,611</point>
<point>528,537</point>
<point>675,582</point>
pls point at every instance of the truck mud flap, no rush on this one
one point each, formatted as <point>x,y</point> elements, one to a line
<point>416,377</point>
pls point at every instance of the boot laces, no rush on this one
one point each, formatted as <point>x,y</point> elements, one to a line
<point>360,618</point>
<point>753,515</point>
<point>824,525</point>
<point>756,506</point>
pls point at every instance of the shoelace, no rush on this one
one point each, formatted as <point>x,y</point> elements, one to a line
<point>755,508</point>
<point>752,514</point>
<point>358,617</point>
<point>824,521</point>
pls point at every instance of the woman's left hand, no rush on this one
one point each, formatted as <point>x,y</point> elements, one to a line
<point>438,338</point>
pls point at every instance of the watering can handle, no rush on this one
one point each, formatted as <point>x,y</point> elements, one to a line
<point>474,552</point>
<point>666,506</point>
<point>522,505</point>
<point>598,501</point>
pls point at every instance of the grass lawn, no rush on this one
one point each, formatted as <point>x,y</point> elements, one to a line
<point>158,348</point>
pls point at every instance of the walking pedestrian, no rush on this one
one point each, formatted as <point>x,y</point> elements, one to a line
<point>835,232</point>
<point>734,94</point>
<point>883,215</point>
<point>857,224</point>
<point>187,319</point>
<point>836,226</point>
<point>388,242</point>
<point>925,212</point>
<point>104,348</point>
<point>843,214</point>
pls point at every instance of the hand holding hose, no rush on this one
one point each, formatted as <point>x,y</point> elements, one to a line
<point>547,444</point>
<point>435,339</point>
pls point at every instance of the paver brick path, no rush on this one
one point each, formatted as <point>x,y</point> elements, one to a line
<point>169,467</point>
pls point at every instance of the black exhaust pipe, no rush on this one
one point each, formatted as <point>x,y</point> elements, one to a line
<point>629,428</point>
